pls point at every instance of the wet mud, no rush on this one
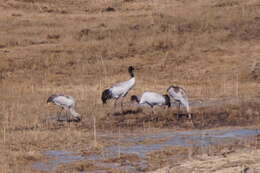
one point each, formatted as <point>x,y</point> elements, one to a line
<point>132,152</point>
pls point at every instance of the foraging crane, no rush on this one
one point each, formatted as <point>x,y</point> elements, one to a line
<point>119,90</point>
<point>65,102</point>
<point>178,94</point>
<point>152,99</point>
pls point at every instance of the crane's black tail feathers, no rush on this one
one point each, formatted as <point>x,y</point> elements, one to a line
<point>167,100</point>
<point>106,95</point>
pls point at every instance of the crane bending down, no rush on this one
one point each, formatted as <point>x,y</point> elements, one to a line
<point>179,95</point>
<point>152,99</point>
<point>119,90</point>
<point>65,102</point>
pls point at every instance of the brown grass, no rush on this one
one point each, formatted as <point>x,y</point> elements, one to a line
<point>240,157</point>
<point>78,48</point>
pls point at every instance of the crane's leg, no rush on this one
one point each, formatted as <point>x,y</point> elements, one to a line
<point>66,114</point>
<point>178,110</point>
<point>188,111</point>
<point>59,113</point>
<point>115,103</point>
<point>153,112</point>
<point>122,108</point>
<point>189,114</point>
<point>152,106</point>
<point>186,104</point>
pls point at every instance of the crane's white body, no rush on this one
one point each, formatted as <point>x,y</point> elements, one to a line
<point>121,89</point>
<point>65,102</point>
<point>152,99</point>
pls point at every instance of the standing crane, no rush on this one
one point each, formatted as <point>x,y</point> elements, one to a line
<point>119,90</point>
<point>179,95</point>
<point>65,102</point>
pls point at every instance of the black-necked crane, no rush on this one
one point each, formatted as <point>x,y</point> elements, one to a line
<point>119,90</point>
<point>152,99</point>
<point>179,95</point>
<point>65,102</point>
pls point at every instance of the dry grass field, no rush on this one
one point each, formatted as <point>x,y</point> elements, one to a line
<point>79,48</point>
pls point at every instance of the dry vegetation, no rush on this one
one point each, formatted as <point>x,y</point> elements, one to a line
<point>242,157</point>
<point>81,47</point>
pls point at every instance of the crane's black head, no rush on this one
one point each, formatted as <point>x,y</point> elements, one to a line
<point>106,95</point>
<point>50,99</point>
<point>131,70</point>
<point>134,98</point>
<point>77,119</point>
<point>167,100</point>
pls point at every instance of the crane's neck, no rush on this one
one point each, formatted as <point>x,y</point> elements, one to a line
<point>137,99</point>
<point>132,82</point>
<point>131,72</point>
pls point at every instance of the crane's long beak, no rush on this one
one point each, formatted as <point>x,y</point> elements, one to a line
<point>137,68</point>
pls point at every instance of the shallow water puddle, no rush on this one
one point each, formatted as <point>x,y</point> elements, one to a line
<point>57,158</point>
<point>184,139</point>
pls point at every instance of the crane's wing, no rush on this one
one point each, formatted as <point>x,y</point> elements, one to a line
<point>121,89</point>
<point>151,98</point>
<point>178,93</point>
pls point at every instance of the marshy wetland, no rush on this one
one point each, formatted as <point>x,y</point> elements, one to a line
<point>80,48</point>
<point>133,151</point>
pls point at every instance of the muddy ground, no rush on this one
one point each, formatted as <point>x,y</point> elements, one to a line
<point>138,141</point>
<point>216,150</point>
